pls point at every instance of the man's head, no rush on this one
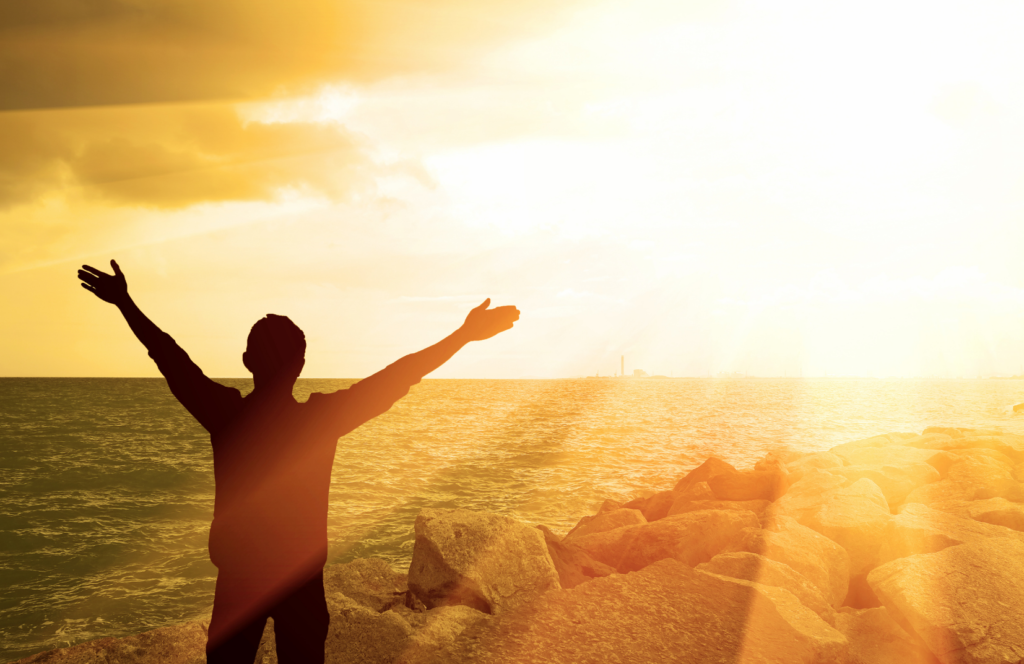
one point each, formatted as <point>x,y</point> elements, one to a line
<point>276,350</point>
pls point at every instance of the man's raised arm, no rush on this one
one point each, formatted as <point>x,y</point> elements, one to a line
<point>377,393</point>
<point>201,396</point>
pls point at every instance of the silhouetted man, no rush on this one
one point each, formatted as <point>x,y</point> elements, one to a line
<point>272,459</point>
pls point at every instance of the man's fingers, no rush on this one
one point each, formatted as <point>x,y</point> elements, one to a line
<point>486,303</point>
<point>90,268</point>
<point>88,288</point>
<point>117,269</point>
<point>88,278</point>
<point>508,310</point>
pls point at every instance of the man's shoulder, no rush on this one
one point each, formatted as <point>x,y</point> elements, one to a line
<point>326,399</point>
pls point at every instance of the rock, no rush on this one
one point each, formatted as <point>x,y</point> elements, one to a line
<point>806,495</point>
<point>693,538</point>
<point>436,630</point>
<point>895,455</point>
<point>657,506</point>
<point>359,635</point>
<point>702,473</point>
<point>944,459</point>
<point>895,482</point>
<point>1011,446</point>
<point>749,484</point>
<point>875,638</point>
<point>996,511</point>
<point>369,581</point>
<point>757,568</point>
<point>607,521</point>
<point>820,560</point>
<point>855,517</point>
<point>573,564</point>
<point>949,431</point>
<point>966,602</point>
<point>184,643</point>
<point>487,561</point>
<point>758,507</point>
<point>698,491</point>
<point>667,612</point>
<point>969,477</point>
<point>1018,408</point>
<point>818,460</point>
<point>609,547</point>
<point>875,442</point>
<point>772,461</point>
<point>919,529</point>
<point>609,505</point>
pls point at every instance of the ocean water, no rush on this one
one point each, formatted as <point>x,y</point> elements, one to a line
<point>106,485</point>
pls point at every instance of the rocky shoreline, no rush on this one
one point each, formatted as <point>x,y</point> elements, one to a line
<point>901,549</point>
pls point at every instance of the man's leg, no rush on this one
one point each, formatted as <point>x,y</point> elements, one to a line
<point>239,617</point>
<point>301,622</point>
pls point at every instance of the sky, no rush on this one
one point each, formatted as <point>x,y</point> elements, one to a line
<point>772,188</point>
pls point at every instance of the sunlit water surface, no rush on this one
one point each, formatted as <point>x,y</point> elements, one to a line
<point>107,484</point>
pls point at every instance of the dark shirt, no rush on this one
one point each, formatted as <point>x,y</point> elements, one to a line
<point>272,459</point>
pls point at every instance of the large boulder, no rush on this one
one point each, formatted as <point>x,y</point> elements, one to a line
<point>573,564</point>
<point>1012,446</point>
<point>702,473</point>
<point>966,602</point>
<point>758,507</point>
<point>806,495</point>
<point>855,517</point>
<point>919,529</point>
<point>996,511</point>
<point>435,630</point>
<point>657,506</point>
<point>606,521</point>
<point>667,612</point>
<point>360,635</point>
<point>820,560</point>
<point>757,568</point>
<point>968,477</point>
<point>699,491</point>
<point>369,581</point>
<point>872,445</point>
<point>895,455</point>
<point>818,460</point>
<point>487,561</point>
<point>875,638</point>
<point>184,643</point>
<point>609,547</point>
<point>894,481</point>
<point>693,537</point>
<point>750,484</point>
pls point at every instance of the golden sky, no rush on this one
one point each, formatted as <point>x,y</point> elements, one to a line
<point>767,187</point>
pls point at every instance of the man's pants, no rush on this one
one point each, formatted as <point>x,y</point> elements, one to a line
<point>241,606</point>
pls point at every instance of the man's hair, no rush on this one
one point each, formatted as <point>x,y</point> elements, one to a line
<point>275,342</point>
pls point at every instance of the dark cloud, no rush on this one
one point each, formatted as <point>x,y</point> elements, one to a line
<point>171,156</point>
<point>61,53</point>
<point>129,101</point>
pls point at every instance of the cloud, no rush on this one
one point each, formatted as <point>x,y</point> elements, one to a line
<point>171,156</point>
<point>131,101</point>
<point>61,53</point>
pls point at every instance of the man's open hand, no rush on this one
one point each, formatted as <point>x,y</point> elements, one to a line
<point>110,288</point>
<point>484,323</point>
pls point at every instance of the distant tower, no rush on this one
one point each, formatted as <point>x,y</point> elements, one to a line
<point>622,365</point>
